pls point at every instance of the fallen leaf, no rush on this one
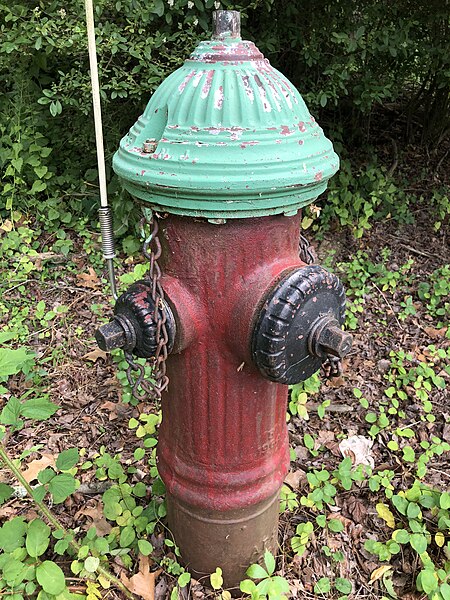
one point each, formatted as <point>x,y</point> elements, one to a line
<point>111,407</point>
<point>293,478</point>
<point>435,333</point>
<point>98,520</point>
<point>38,465</point>
<point>95,355</point>
<point>378,573</point>
<point>386,514</point>
<point>88,280</point>
<point>356,509</point>
<point>143,583</point>
<point>6,227</point>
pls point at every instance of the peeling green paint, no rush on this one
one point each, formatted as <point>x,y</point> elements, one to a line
<point>226,136</point>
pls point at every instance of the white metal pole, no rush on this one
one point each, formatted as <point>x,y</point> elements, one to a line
<point>105,215</point>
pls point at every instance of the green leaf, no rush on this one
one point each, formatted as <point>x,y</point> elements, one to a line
<point>184,579</point>
<point>269,561</point>
<point>216,579</point>
<point>67,459</point>
<point>12,534</point>
<point>91,564</point>
<point>6,491</point>
<point>38,186</point>
<point>11,412</point>
<point>50,577</point>
<point>127,536</point>
<point>145,547</point>
<point>343,585</point>
<point>323,586</point>
<point>428,580</point>
<point>61,487</point>
<point>444,501</point>
<point>247,586</point>
<point>408,454</point>
<point>38,538</point>
<point>46,475</point>
<point>335,525</point>
<point>256,572</point>
<point>419,542</point>
<point>38,408</point>
<point>401,536</point>
<point>445,591</point>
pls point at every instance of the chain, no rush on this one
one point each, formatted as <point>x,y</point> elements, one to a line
<point>332,365</point>
<point>305,252</point>
<point>153,388</point>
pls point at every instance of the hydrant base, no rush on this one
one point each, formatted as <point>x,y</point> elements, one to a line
<point>231,540</point>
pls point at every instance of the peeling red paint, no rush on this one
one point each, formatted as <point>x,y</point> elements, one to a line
<point>251,143</point>
<point>318,176</point>
<point>285,130</point>
<point>185,81</point>
<point>218,98</point>
<point>247,88</point>
<point>207,85</point>
<point>302,126</point>
<point>262,94</point>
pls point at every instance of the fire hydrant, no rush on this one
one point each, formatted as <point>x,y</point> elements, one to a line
<point>227,152</point>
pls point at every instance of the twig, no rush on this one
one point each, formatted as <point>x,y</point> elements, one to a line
<point>388,303</point>
<point>415,251</point>
<point>395,163</point>
<point>54,521</point>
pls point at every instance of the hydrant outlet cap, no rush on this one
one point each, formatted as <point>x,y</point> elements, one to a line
<point>231,137</point>
<point>299,325</point>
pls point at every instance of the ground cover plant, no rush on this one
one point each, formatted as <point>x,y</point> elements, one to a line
<point>365,508</point>
<point>83,511</point>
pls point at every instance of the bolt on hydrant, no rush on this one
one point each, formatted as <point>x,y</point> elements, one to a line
<point>222,161</point>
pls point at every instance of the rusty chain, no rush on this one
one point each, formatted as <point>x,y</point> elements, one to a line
<point>152,388</point>
<point>332,365</point>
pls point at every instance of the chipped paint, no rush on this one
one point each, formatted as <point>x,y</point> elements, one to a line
<point>262,94</point>
<point>207,85</point>
<point>247,88</point>
<point>267,162</point>
<point>218,98</point>
<point>251,143</point>
<point>185,81</point>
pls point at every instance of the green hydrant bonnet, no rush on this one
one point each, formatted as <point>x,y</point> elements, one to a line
<point>226,136</point>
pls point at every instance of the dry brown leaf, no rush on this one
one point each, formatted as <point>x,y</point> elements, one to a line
<point>94,355</point>
<point>38,465</point>
<point>356,509</point>
<point>293,478</point>
<point>435,333</point>
<point>6,227</point>
<point>111,407</point>
<point>98,520</point>
<point>143,583</point>
<point>88,280</point>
